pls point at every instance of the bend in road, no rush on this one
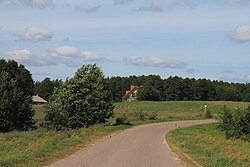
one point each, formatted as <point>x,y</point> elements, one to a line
<point>141,146</point>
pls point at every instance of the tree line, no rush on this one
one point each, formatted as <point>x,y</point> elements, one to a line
<point>154,88</point>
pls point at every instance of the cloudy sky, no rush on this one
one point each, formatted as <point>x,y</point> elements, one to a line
<point>187,38</point>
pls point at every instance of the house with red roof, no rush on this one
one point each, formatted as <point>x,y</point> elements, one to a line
<point>132,92</point>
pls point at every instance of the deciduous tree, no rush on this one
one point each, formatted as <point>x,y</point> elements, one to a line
<point>81,101</point>
<point>16,86</point>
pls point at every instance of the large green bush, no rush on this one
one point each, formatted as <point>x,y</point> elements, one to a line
<point>16,87</point>
<point>81,101</point>
<point>236,124</point>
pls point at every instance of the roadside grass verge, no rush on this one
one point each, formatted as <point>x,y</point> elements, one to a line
<point>206,145</point>
<point>41,147</point>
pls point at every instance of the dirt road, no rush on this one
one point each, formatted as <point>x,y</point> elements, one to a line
<point>142,146</point>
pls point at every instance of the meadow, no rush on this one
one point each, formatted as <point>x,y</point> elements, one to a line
<point>41,147</point>
<point>173,110</point>
<point>206,145</point>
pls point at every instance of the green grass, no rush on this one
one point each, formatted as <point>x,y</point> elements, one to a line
<point>206,145</point>
<point>175,110</point>
<point>41,147</point>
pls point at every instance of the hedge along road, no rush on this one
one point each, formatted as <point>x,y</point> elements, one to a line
<point>141,146</point>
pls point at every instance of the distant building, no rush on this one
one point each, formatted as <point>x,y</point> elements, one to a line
<point>132,92</point>
<point>37,100</point>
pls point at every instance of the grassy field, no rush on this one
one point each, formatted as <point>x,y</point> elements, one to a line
<point>41,147</point>
<point>205,145</point>
<point>174,110</point>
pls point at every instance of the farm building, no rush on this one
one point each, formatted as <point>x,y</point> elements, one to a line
<point>37,100</point>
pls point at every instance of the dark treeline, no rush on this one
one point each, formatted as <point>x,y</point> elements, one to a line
<point>177,88</point>
<point>46,87</point>
<point>172,88</point>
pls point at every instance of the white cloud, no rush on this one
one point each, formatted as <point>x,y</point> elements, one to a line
<point>242,34</point>
<point>122,2</point>
<point>154,6</point>
<point>64,51</point>
<point>36,34</point>
<point>18,55</point>
<point>89,56</point>
<point>66,55</point>
<point>88,10</point>
<point>25,56</point>
<point>41,4</point>
<point>156,62</point>
<point>68,52</point>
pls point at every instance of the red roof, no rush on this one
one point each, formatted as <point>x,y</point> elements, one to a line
<point>132,87</point>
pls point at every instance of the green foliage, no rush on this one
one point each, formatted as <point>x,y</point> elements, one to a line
<point>148,93</point>
<point>177,88</point>
<point>122,120</point>
<point>203,89</point>
<point>46,87</point>
<point>81,101</point>
<point>139,115</point>
<point>236,124</point>
<point>23,77</point>
<point>15,101</point>
<point>152,116</point>
<point>125,97</point>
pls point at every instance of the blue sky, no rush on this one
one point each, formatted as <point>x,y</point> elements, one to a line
<point>187,38</point>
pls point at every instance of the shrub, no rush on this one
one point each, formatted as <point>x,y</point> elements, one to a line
<point>226,119</point>
<point>122,120</point>
<point>139,115</point>
<point>81,101</point>
<point>236,124</point>
<point>208,114</point>
<point>152,116</point>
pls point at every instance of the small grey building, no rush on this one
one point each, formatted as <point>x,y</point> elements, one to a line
<point>37,100</point>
